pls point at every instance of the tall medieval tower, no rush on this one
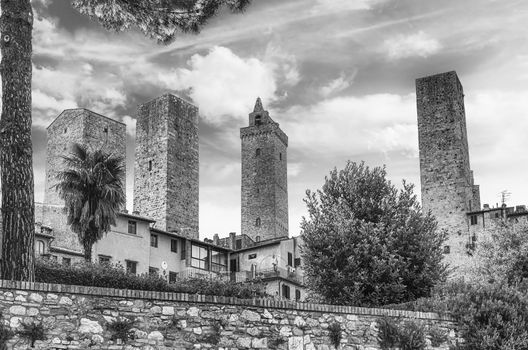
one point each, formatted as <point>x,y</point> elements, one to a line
<point>166,164</point>
<point>82,126</point>
<point>448,190</point>
<point>264,177</point>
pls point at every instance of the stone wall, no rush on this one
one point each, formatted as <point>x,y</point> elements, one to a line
<point>166,170</point>
<point>447,181</point>
<point>79,317</point>
<point>264,177</point>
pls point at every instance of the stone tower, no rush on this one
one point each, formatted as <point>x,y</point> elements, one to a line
<point>447,180</point>
<point>264,177</point>
<point>83,126</point>
<point>166,164</point>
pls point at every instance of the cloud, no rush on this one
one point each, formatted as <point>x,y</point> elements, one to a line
<point>345,126</point>
<point>223,84</point>
<point>337,85</point>
<point>415,45</point>
<point>130,125</point>
<point>401,138</point>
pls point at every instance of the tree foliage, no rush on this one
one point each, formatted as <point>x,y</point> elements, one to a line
<point>158,19</point>
<point>503,255</point>
<point>368,244</point>
<point>92,189</point>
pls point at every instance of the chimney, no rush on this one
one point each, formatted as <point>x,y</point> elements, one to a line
<point>520,208</point>
<point>216,239</point>
<point>232,236</point>
<point>486,206</point>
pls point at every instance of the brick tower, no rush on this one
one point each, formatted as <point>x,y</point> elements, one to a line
<point>166,164</point>
<point>447,180</point>
<point>82,126</point>
<point>264,177</point>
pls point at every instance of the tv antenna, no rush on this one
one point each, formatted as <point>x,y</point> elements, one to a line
<point>505,195</point>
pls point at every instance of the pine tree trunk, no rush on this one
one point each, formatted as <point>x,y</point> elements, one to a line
<point>16,167</point>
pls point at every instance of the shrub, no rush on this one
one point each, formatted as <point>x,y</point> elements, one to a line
<point>5,333</point>
<point>412,336</point>
<point>114,276</point>
<point>336,333</point>
<point>407,336</point>
<point>32,332</point>
<point>490,316</point>
<point>438,336</point>
<point>388,335</point>
<point>120,329</point>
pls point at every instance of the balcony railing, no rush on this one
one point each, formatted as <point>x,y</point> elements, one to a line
<point>242,276</point>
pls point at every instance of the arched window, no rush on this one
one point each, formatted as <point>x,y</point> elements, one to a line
<point>257,238</point>
<point>258,152</point>
<point>257,222</point>
<point>40,247</point>
<point>258,120</point>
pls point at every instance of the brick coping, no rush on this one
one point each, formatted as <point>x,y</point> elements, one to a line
<point>212,299</point>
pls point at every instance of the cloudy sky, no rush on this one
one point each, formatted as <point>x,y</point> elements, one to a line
<point>338,75</point>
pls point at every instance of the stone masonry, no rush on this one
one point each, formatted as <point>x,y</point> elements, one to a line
<point>166,169</point>
<point>83,126</point>
<point>75,317</point>
<point>264,177</point>
<point>448,190</point>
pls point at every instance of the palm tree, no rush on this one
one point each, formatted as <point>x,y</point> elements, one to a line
<point>92,189</point>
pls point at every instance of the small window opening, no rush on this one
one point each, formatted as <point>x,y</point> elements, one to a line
<point>258,152</point>
<point>257,222</point>
<point>257,238</point>
<point>105,130</point>
<point>474,220</point>
<point>280,156</point>
<point>65,130</point>
<point>258,120</point>
<point>150,165</point>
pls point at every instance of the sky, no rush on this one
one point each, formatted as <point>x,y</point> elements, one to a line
<point>337,75</point>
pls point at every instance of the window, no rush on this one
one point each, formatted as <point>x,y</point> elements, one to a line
<point>132,227</point>
<point>238,244</point>
<point>183,252</point>
<point>218,261</point>
<point>199,257</point>
<point>447,249</point>
<point>105,130</point>
<point>297,294</point>
<point>474,219</point>
<point>154,241</point>
<point>297,262</point>
<point>65,130</point>
<point>174,245</point>
<point>257,238</point>
<point>153,271</point>
<point>54,257</point>
<point>285,291</point>
<point>258,152</point>
<point>131,266</point>
<point>280,156</point>
<point>290,259</point>
<point>150,165</point>
<point>173,276</point>
<point>474,238</point>
<point>252,256</point>
<point>41,248</point>
<point>258,120</point>
<point>104,259</point>
<point>66,261</point>
<point>257,222</point>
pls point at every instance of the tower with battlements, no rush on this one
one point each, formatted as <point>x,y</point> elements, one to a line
<point>166,164</point>
<point>264,177</point>
<point>446,178</point>
<point>82,126</point>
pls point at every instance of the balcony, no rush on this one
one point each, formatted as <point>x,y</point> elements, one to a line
<point>243,276</point>
<point>288,274</point>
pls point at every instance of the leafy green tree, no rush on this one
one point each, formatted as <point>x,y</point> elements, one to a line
<point>159,19</point>
<point>368,244</point>
<point>92,189</point>
<point>502,257</point>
